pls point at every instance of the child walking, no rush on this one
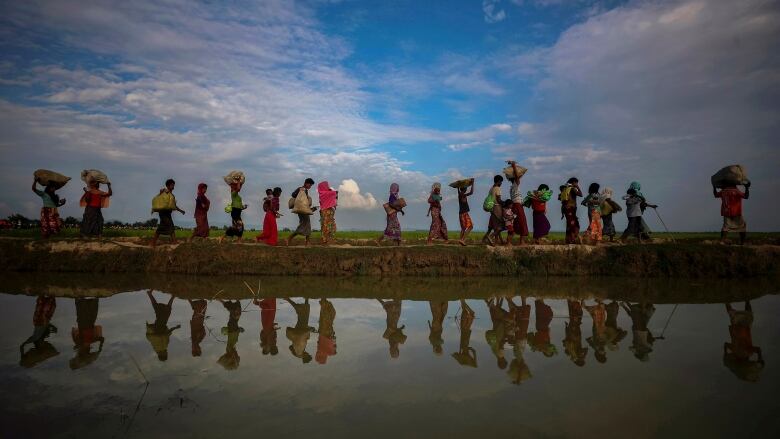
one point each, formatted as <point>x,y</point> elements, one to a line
<point>509,217</point>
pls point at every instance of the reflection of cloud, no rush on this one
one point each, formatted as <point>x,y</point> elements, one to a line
<point>351,198</point>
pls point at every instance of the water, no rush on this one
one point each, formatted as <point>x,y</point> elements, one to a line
<point>362,379</point>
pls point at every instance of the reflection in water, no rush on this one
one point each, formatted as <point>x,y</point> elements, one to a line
<point>518,369</point>
<point>326,343</point>
<point>496,336</point>
<point>615,334</point>
<point>598,341</point>
<point>572,343</point>
<point>42,350</point>
<point>230,359</point>
<point>395,336</point>
<point>86,333</point>
<point>299,335</point>
<point>643,340</point>
<point>197,325</point>
<point>158,333</point>
<point>268,326</point>
<point>737,354</point>
<point>466,355</point>
<point>540,340</point>
<point>436,324</point>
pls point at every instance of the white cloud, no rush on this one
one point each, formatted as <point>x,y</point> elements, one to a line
<point>492,11</point>
<point>351,198</point>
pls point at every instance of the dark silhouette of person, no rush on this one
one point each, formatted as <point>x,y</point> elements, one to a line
<point>158,333</point>
<point>326,342</point>
<point>299,335</point>
<point>540,340</point>
<point>738,355</point>
<point>268,326</point>
<point>197,325</point>
<point>85,333</point>
<point>598,341</point>
<point>436,324</point>
<point>41,350</point>
<point>614,333</point>
<point>393,334</point>
<point>572,342</point>
<point>518,369</point>
<point>496,336</point>
<point>466,355</point>
<point>643,339</point>
<point>230,359</point>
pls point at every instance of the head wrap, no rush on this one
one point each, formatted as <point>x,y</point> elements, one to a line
<point>394,189</point>
<point>637,187</point>
<point>328,197</point>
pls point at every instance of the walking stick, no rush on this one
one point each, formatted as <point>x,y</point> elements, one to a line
<point>663,331</point>
<point>664,224</point>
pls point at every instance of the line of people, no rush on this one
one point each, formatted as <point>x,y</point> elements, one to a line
<point>509,326</point>
<point>505,214</point>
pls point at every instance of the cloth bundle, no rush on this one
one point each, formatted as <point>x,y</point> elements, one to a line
<point>520,171</point>
<point>466,182</point>
<point>234,177</point>
<point>302,203</point>
<point>397,205</point>
<point>44,177</point>
<point>730,176</point>
<point>163,201</point>
<point>89,175</point>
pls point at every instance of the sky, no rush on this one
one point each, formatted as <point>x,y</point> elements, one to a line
<point>365,93</point>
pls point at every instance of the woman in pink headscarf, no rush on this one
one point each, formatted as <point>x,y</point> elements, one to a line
<point>202,204</point>
<point>328,200</point>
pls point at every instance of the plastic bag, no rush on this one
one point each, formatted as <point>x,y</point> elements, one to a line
<point>732,175</point>
<point>489,203</point>
<point>88,175</point>
<point>235,177</point>
<point>44,177</point>
<point>164,201</point>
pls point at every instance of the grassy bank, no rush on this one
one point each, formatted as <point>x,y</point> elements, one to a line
<point>683,260</point>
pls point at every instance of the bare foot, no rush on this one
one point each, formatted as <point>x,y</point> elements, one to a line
<point>463,243</point>
<point>378,242</point>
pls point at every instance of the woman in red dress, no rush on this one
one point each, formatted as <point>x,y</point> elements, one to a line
<point>270,233</point>
<point>202,204</point>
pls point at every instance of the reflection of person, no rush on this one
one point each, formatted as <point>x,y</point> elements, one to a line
<point>737,354</point>
<point>643,340</point>
<point>299,335</point>
<point>42,350</point>
<point>540,340</point>
<point>518,369</point>
<point>326,343</point>
<point>615,334</point>
<point>158,333</point>
<point>230,359</point>
<point>436,324</point>
<point>495,336</point>
<point>268,325</point>
<point>466,355</point>
<point>197,326</point>
<point>393,334</point>
<point>598,341</point>
<point>572,343</point>
<point>85,333</point>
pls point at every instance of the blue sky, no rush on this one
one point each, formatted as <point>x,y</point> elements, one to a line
<point>364,93</point>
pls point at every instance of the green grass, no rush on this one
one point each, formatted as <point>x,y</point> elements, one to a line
<point>411,235</point>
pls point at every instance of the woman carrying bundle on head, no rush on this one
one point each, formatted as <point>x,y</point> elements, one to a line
<point>520,224</point>
<point>438,226</point>
<point>202,204</point>
<point>328,201</point>
<point>93,201</point>
<point>235,208</point>
<point>394,205</point>
<point>270,234</point>
<point>51,224</point>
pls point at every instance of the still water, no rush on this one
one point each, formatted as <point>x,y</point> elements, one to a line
<point>128,356</point>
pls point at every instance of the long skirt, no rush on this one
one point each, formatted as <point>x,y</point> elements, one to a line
<point>92,222</point>
<point>393,229</point>
<point>328,223</point>
<point>270,233</point>
<point>595,226</point>
<point>521,224</point>
<point>51,224</point>
<point>438,226</point>
<point>572,224</point>
<point>201,225</point>
<point>541,225</point>
<point>166,226</point>
<point>496,218</point>
<point>237,225</point>
<point>608,228</point>
<point>634,227</point>
<point>304,225</point>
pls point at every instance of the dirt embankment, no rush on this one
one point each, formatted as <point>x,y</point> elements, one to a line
<point>207,258</point>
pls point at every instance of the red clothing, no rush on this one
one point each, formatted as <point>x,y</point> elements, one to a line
<point>731,204</point>
<point>44,310</point>
<point>538,206</point>
<point>270,234</point>
<point>520,225</point>
<point>94,198</point>
<point>268,313</point>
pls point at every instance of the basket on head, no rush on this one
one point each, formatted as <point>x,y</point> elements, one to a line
<point>466,182</point>
<point>45,177</point>
<point>520,171</point>
<point>235,177</point>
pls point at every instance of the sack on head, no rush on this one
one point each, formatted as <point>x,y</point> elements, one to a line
<point>90,175</point>
<point>234,177</point>
<point>510,173</point>
<point>732,175</point>
<point>44,177</point>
